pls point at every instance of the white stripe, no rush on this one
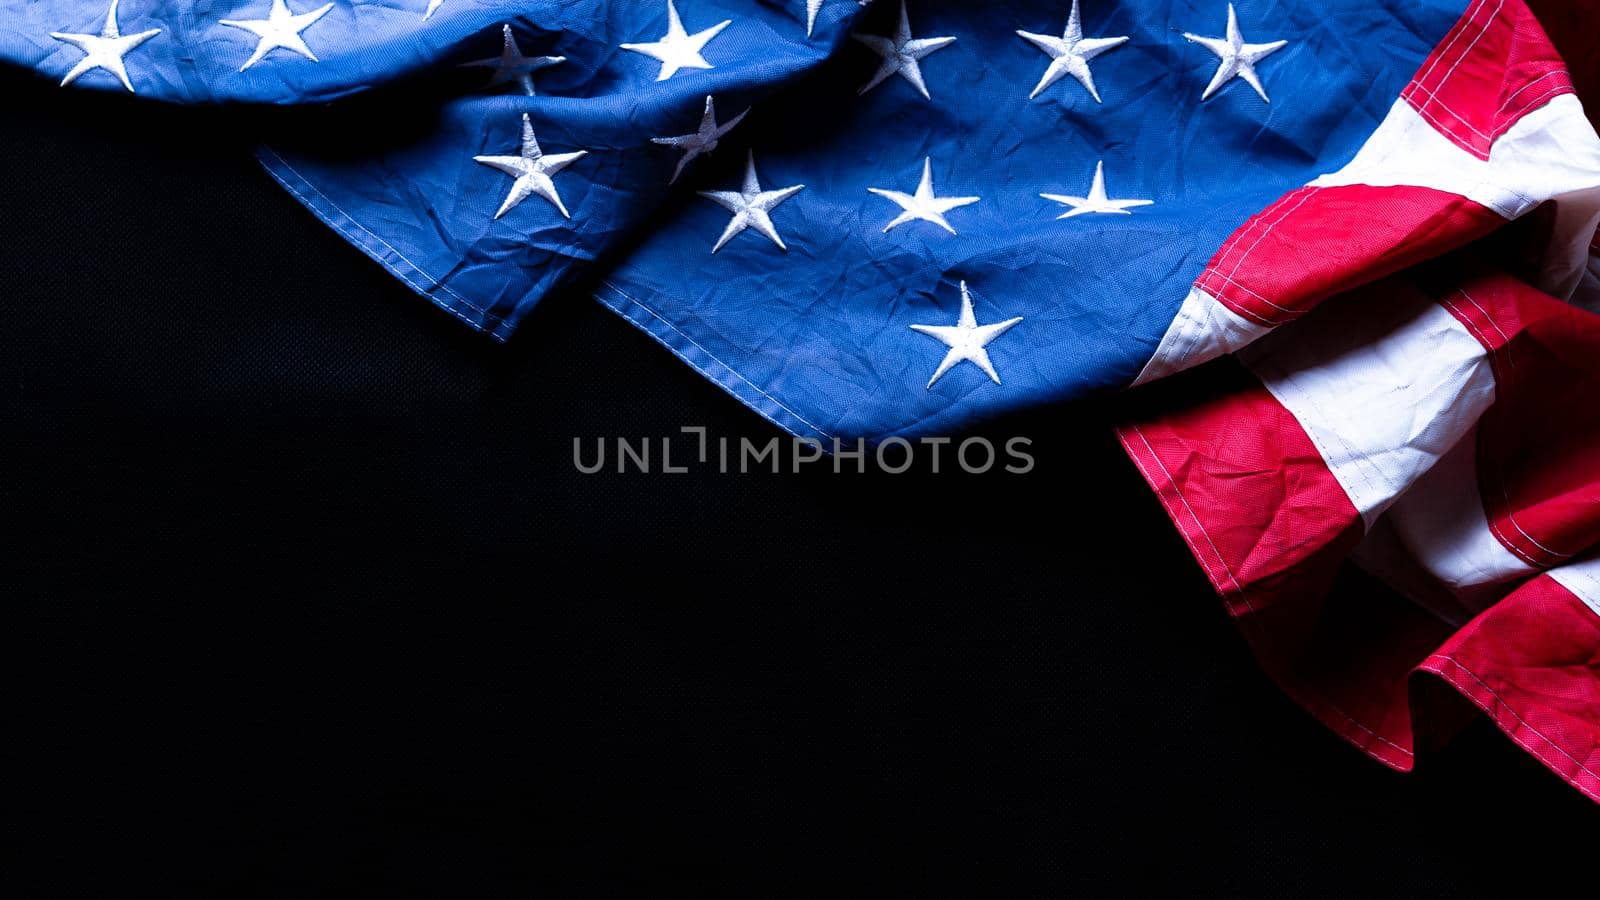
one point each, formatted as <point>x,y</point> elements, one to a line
<point>1551,153</point>
<point>1583,580</point>
<point>1203,330</point>
<point>1383,389</point>
<point>1442,524</point>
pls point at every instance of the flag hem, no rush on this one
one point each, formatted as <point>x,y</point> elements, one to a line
<point>380,251</point>
<point>646,319</point>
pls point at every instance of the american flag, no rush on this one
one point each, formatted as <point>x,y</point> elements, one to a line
<point>1349,246</point>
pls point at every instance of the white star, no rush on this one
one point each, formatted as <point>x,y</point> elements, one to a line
<point>511,65</point>
<point>433,7</point>
<point>900,54</point>
<point>1238,58</point>
<point>280,28</point>
<point>812,8</point>
<point>532,171</point>
<point>1097,201</point>
<point>966,339</point>
<point>703,140</point>
<point>104,50</point>
<point>923,205</point>
<point>1070,54</point>
<point>678,49</point>
<point>750,206</point>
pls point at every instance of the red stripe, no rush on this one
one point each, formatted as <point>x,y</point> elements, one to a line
<point>1571,27</point>
<point>1532,664</point>
<point>1319,241</point>
<point>1539,444</point>
<point>1492,68</point>
<point>1244,484</point>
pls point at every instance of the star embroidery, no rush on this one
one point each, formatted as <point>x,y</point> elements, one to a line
<point>1097,201</point>
<point>280,28</point>
<point>901,54</point>
<point>750,206</point>
<point>678,49</point>
<point>923,204</point>
<point>104,50</point>
<point>703,140</point>
<point>813,7</point>
<point>511,65</point>
<point>433,7</point>
<point>1070,54</point>
<point>966,339</point>
<point>1238,58</point>
<point>532,171</point>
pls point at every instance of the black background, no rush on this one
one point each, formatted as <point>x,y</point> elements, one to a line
<point>307,600</point>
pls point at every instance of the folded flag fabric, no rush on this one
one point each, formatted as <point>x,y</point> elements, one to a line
<point>1367,226</point>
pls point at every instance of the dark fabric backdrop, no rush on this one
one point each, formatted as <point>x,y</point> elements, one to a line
<point>305,599</point>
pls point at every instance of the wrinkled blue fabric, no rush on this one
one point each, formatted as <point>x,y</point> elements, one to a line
<point>817,337</point>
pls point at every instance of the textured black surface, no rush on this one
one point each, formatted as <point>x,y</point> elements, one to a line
<point>308,600</point>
